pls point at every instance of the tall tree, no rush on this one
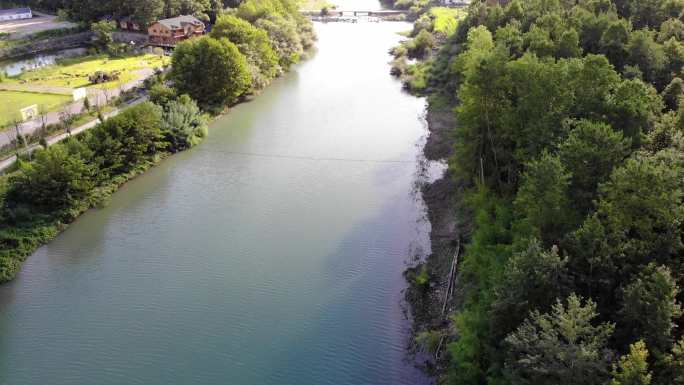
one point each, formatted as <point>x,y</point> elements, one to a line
<point>211,71</point>
<point>590,153</point>
<point>562,347</point>
<point>632,368</point>
<point>650,308</point>
<point>532,280</point>
<point>252,42</point>
<point>542,199</point>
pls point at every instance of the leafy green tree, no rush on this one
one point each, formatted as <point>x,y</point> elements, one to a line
<point>481,268</point>
<point>213,72</point>
<point>672,93</point>
<point>646,13</point>
<point>511,36</point>
<point>421,45</point>
<point>650,308</point>
<point>671,28</point>
<point>124,141</point>
<point>634,108</point>
<point>532,280</point>
<point>183,124</point>
<point>562,347</point>
<point>538,41</point>
<point>674,56</point>
<point>148,11</point>
<point>614,42</point>
<point>483,107</point>
<point>633,367</point>
<point>590,153</point>
<point>673,372</point>
<point>568,44</point>
<point>55,180</point>
<point>592,81</point>
<point>161,94</point>
<point>664,135</point>
<point>591,27</point>
<point>284,38</point>
<point>252,42</point>
<point>645,53</point>
<point>103,34</point>
<point>640,208</point>
<point>542,199</point>
<point>636,222</point>
<point>252,10</point>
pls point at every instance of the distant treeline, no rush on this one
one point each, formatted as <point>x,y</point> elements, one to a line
<point>570,145</point>
<point>143,11</point>
<point>257,42</point>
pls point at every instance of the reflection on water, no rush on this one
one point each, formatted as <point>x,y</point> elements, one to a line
<point>15,68</point>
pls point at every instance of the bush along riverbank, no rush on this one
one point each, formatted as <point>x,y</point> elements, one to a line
<point>248,47</point>
<point>564,126</point>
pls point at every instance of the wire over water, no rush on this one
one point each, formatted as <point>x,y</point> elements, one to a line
<point>313,158</point>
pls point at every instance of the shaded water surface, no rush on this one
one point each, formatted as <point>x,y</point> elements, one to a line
<point>270,254</point>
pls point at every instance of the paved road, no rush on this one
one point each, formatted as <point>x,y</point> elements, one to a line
<point>96,96</point>
<point>7,162</point>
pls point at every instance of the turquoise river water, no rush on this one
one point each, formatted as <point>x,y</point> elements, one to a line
<point>271,254</point>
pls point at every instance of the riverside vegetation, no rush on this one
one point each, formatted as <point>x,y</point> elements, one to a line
<point>250,45</point>
<point>567,174</point>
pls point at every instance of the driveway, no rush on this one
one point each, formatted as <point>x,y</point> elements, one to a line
<point>40,22</point>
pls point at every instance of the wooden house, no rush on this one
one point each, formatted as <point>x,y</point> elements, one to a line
<point>170,32</point>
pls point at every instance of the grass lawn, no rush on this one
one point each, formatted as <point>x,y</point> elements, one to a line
<point>446,19</point>
<point>73,73</point>
<point>13,101</point>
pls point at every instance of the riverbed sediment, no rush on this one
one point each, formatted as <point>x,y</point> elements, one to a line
<point>449,225</point>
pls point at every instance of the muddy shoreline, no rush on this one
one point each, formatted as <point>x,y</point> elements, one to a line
<point>447,230</point>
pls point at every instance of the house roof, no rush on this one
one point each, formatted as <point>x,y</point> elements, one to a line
<point>178,22</point>
<point>14,11</point>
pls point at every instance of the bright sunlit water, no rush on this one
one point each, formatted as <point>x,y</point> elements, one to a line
<point>271,254</point>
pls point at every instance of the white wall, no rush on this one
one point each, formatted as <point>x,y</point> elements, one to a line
<point>16,16</point>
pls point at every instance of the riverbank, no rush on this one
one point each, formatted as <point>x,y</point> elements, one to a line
<point>428,280</point>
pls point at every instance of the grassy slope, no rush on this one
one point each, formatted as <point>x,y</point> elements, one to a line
<point>69,73</point>
<point>446,19</point>
<point>74,73</point>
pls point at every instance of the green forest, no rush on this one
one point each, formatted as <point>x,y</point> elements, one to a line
<point>249,46</point>
<point>569,153</point>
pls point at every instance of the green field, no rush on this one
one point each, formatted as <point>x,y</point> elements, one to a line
<point>51,86</point>
<point>73,73</point>
<point>446,19</point>
<point>13,101</point>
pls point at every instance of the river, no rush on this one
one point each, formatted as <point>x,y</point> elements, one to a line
<point>272,253</point>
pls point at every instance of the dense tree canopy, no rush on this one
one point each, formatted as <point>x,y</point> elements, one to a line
<point>569,144</point>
